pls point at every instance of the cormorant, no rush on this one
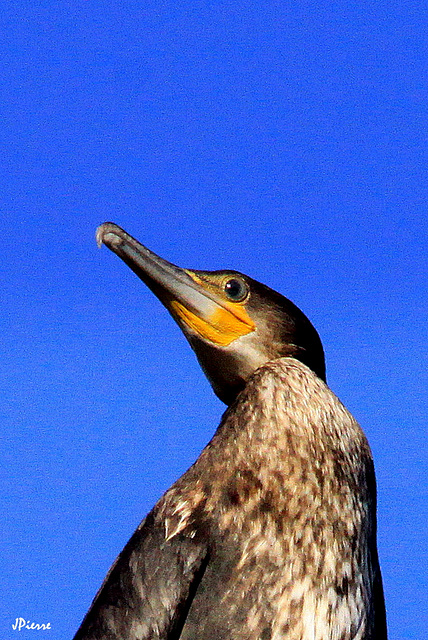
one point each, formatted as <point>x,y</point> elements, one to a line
<point>271,534</point>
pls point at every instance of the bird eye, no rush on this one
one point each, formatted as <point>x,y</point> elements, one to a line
<point>236,290</point>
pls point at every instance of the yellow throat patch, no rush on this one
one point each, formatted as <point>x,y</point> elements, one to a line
<point>222,327</point>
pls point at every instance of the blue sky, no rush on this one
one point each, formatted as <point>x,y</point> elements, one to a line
<point>287,140</point>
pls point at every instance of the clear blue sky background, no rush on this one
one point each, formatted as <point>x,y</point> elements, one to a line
<point>287,140</point>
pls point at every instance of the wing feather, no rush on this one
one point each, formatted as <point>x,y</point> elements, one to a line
<point>149,589</point>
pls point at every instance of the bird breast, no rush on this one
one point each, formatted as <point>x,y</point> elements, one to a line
<point>284,494</point>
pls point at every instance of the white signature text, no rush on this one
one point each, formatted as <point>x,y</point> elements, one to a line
<point>21,623</point>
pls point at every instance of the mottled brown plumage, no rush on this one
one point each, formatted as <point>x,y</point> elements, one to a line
<point>271,534</point>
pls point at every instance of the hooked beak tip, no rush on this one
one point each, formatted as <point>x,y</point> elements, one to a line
<point>108,233</point>
<point>99,237</point>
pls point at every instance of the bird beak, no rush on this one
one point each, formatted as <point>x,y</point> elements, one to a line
<point>195,300</point>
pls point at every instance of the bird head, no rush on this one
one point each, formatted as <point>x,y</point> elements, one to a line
<point>232,322</point>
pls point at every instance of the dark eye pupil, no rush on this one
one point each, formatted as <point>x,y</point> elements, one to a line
<point>234,289</point>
